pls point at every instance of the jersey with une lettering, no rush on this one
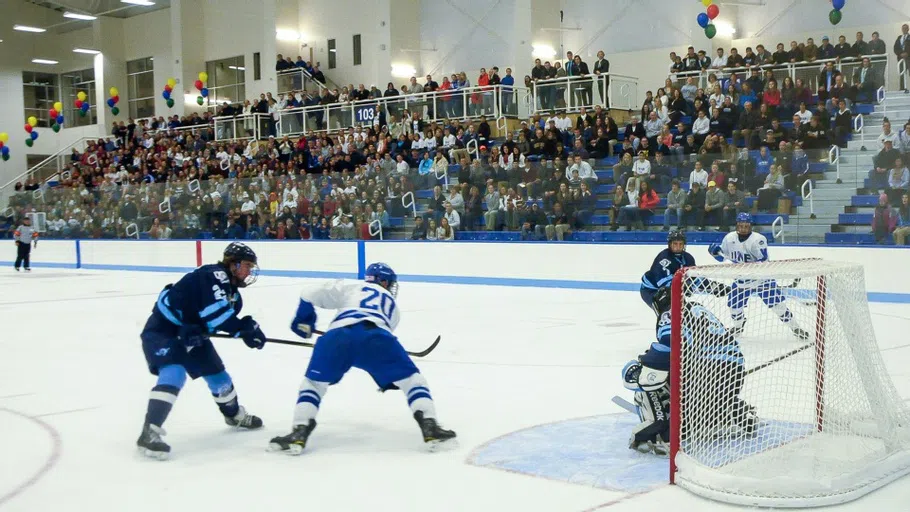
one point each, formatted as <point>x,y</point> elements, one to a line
<point>753,249</point>
<point>356,303</point>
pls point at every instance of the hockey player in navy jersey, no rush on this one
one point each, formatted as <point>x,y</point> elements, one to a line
<point>665,265</point>
<point>667,262</point>
<point>176,343</point>
<point>746,246</point>
<point>360,336</point>
<point>648,376</point>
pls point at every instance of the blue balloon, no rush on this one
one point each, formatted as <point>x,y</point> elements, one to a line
<point>34,134</point>
<point>85,106</point>
<point>166,95</point>
<point>60,119</point>
<point>204,92</point>
<point>839,4</point>
<point>110,102</point>
<point>703,20</point>
<point>5,150</point>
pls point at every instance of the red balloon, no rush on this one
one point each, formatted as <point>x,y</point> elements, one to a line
<point>116,99</point>
<point>1,144</point>
<point>168,88</point>
<point>53,113</point>
<point>199,84</point>
<point>28,128</point>
<point>78,103</point>
<point>713,11</point>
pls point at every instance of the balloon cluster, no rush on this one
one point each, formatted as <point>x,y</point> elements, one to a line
<point>82,104</point>
<point>200,86</point>
<point>113,100</point>
<point>30,130</point>
<point>835,16</point>
<point>704,19</point>
<point>4,149</point>
<point>168,89</point>
<point>56,116</point>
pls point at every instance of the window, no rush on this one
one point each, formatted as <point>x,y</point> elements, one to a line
<point>257,69</point>
<point>140,81</point>
<point>331,54</point>
<point>41,91</point>
<point>72,83</point>
<point>227,79</point>
<point>357,49</point>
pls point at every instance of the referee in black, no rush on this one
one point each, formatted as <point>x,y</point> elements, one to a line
<point>24,235</point>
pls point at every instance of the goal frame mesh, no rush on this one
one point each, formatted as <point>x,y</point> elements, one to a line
<point>894,466</point>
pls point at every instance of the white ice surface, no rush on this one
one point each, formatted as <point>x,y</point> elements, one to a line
<point>74,387</point>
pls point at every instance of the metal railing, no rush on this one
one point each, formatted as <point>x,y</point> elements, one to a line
<point>807,71</point>
<point>245,126</point>
<point>806,192</point>
<point>378,230</point>
<point>493,102</point>
<point>834,159</point>
<point>859,127</point>
<point>298,79</point>
<point>407,201</point>
<point>777,229</point>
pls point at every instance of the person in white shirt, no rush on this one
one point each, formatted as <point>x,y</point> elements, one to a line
<point>402,167</point>
<point>698,175</point>
<point>249,207</point>
<point>804,114</point>
<point>585,171</point>
<point>720,61</point>
<point>887,134</point>
<point>717,96</point>
<point>289,197</point>
<point>452,216</point>
<point>563,123</point>
<point>641,169</point>
<point>448,140</point>
<point>702,124</point>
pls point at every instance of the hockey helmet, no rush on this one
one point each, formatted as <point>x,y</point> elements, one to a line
<point>237,253</point>
<point>743,224</point>
<point>676,236</point>
<point>378,272</point>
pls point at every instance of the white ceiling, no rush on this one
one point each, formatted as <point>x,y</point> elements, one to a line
<point>96,7</point>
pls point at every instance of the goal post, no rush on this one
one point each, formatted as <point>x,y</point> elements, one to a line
<point>779,394</point>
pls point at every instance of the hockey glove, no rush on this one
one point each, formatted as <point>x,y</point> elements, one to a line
<point>191,336</point>
<point>305,320</point>
<point>714,249</point>
<point>251,333</point>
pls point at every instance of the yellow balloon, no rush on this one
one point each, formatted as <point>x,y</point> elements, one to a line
<point>33,121</point>
<point>172,82</point>
<point>114,91</point>
<point>4,137</point>
<point>81,96</point>
<point>58,107</point>
<point>707,2</point>
<point>203,76</point>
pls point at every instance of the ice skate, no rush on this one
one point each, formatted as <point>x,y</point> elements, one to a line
<point>150,443</point>
<point>295,442</point>
<point>433,435</point>
<point>244,420</point>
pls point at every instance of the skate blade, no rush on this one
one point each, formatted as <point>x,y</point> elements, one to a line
<point>441,445</point>
<point>293,449</point>
<point>153,454</point>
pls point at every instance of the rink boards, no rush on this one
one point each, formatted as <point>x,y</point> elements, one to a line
<point>615,267</point>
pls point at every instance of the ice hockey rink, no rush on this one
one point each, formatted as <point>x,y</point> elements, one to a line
<point>524,375</point>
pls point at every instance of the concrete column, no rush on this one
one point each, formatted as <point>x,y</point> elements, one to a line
<point>110,70</point>
<point>187,40</point>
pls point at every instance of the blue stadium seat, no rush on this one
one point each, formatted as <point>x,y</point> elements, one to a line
<point>855,219</point>
<point>851,238</point>
<point>864,201</point>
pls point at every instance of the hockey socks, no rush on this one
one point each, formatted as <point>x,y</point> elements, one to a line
<point>308,399</point>
<point>417,391</point>
<point>171,379</point>
<point>223,392</point>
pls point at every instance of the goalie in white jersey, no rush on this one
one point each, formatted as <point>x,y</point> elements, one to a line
<point>746,246</point>
<point>360,336</point>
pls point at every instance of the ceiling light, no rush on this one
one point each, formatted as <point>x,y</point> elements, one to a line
<point>44,61</point>
<point>26,28</point>
<point>238,68</point>
<point>77,16</point>
<point>283,34</point>
<point>137,2</point>
<point>86,50</point>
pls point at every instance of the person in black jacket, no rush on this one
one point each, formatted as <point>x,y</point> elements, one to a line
<point>420,229</point>
<point>843,124</point>
<point>902,50</point>
<point>602,67</point>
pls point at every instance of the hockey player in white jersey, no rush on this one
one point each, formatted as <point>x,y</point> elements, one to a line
<point>360,336</point>
<point>746,246</point>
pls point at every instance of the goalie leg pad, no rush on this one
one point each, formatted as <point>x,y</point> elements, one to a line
<point>653,434</point>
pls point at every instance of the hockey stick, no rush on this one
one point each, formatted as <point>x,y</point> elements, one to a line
<point>625,404</point>
<point>277,341</point>
<point>779,358</point>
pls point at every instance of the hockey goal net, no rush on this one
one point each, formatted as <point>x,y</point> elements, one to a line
<point>795,407</point>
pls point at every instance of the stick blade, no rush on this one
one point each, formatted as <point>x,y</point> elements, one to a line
<point>625,404</point>
<point>429,349</point>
